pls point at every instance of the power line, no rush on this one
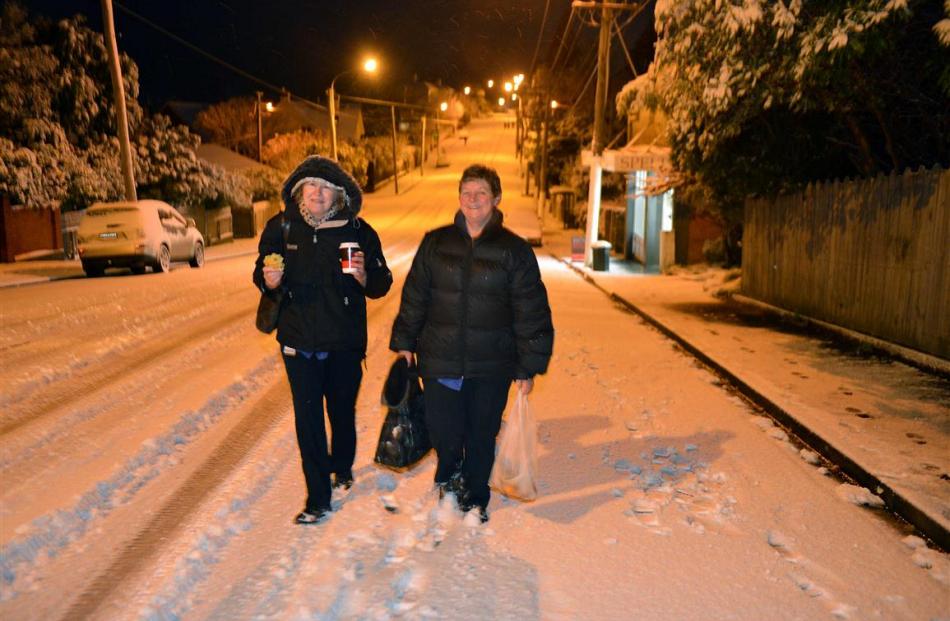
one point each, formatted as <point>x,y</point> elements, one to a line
<point>623,44</point>
<point>197,49</point>
<point>544,22</point>
<point>560,46</point>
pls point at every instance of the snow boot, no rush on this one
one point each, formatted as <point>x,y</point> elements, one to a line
<point>344,480</point>
<point>312,516</point>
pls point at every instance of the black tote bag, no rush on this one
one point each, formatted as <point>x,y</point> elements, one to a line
<point>404,438</point>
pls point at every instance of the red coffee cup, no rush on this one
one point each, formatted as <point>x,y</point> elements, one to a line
<point>347,250</point>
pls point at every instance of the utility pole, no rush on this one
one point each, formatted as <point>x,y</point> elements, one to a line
<point>422,161</point>
<point>121,117</point>
<point>260,137</point>
<point>543,186</point>
<point>331,108</point>
<point>597,144</point>
<point>392,112</point>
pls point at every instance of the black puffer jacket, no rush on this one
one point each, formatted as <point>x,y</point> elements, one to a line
<point>475,308</point>
<point>326,309</point>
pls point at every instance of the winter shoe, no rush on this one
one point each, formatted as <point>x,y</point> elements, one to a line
<point>480,511</point>
<point>343,480</point>
<point>314,516</point>
<point>454,486</point>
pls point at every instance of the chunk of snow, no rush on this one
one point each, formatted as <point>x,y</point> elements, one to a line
<point>810,457</point>
<point>913,542</point>
<point>778,540</point>
<point>777,433</point>
<point>858,495</point>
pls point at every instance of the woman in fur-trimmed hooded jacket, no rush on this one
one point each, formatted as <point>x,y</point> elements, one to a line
<point>322,325</point>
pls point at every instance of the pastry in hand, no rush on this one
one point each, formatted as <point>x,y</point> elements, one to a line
<point>274,260</point>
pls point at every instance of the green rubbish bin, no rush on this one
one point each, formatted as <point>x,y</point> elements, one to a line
<point>600,251</point>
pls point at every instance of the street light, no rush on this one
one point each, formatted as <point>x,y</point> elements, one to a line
<point>438,133</point>
<point>501,101</point>
<point>508,87</point>
<point>467,90</point>
<point>491,83</point>
<point>370,65</point>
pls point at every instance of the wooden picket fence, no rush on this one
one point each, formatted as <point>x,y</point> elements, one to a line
<point>871,255</point>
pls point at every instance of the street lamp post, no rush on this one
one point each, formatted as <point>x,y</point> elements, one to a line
<point>439,161</point>
<point>260,137</point>
<point>369,66</point>
<point>331,98</point>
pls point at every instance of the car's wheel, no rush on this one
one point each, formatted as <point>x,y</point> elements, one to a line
<point>198,258</point>
<point>138,269</point>
<point>164,262</point>
<point>93,271</point>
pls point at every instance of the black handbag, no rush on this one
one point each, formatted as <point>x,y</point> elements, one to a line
<point>404,438</point>
<point>268,309</point>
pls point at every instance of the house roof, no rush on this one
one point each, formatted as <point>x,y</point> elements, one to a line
<point>291,115</point>
<point>184,111</point>
<point>227,159</point>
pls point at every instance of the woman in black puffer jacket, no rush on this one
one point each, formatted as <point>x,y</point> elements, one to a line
<point>475,313</point>
<point>322,326</point>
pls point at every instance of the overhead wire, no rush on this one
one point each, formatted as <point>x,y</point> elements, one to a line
<point>212,57</point>
<point>567,29</point>
<point>626,52</point>
<point>537,47</point>
<point>197,49</point>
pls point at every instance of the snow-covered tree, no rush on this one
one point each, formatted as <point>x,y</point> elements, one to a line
<point>764,95</point>
<point>232,123</point>
<point>285,151</point>
<point>57,123</point>
<point>167,167</point>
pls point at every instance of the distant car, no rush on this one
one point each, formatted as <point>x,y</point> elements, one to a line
<point>145,233</point>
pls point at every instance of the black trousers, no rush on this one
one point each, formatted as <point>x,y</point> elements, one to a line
<point>463,426</point>
<point>336,379</point>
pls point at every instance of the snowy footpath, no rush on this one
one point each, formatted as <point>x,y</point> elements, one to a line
<point>884,422</point>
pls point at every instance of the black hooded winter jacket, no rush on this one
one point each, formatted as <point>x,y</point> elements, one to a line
<point>324,309</point>
<point>475,308</point>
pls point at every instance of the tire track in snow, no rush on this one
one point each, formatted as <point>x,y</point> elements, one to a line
<point>136,555</point>
<point>128,395</point>
<point>53,534</point>
<point>101,376</point>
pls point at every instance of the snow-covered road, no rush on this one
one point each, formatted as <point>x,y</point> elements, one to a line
<point>149,471</point>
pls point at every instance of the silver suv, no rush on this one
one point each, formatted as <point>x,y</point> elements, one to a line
<point>140,234</point>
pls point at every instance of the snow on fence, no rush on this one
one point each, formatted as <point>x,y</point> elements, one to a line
<point>871,255</point>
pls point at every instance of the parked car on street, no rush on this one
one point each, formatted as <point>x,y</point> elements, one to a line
<point>140,234</point>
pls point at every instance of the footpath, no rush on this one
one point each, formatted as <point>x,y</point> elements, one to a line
<point>881,422</point>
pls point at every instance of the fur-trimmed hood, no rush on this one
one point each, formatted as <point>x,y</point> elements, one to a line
<point>323,168</point>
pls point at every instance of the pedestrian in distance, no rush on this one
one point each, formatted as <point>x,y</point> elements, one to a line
<point>475,314</point>
<point>332,262</point>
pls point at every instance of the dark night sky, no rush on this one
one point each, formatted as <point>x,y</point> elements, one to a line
<point>302,44</point>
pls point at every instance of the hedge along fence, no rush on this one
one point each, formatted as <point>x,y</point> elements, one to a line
<point>871,255</point>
